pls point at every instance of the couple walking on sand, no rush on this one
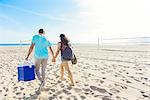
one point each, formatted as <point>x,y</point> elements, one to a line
<point>41,45</point>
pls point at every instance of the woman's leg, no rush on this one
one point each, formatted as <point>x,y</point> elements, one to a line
<point>69,72</point>
<point>62,71</point>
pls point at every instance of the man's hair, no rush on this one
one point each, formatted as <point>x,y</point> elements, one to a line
<point>41,31</point>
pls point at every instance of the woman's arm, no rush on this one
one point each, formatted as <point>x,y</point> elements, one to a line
<point>30,50</point>
<point>58,49</point>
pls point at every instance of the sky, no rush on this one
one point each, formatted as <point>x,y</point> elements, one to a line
<point>83,21</point>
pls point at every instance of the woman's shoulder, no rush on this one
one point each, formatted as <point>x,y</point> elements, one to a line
<point>59,43</point>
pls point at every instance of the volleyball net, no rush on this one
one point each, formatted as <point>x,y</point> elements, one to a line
<point>133,40</point>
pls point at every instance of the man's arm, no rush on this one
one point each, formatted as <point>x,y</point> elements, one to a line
<point>30,50</point>
<point>51,51</point>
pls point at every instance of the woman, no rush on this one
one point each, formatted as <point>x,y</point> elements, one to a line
<point>64,64</point>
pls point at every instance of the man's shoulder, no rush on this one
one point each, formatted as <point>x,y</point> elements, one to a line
<point>34,36</point>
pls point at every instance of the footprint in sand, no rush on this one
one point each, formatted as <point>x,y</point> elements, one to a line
<point>92,93</point>
<point>74,97</point>
<point>83,97</point>
<point>38,92</point>
<point>86,90</point>
<point>62,85</point>
<point>6,89</point>
<point>2,83</point>
<point>95,66</point>
<point>14,97</point>
<point>97,96</point>
<point>18,93</point>
<point>113,90</point>
<point>60,97</point>
<point>101,81</point>
<point>66,92</point>
<point>86,85</point>
<point>128,81</point>
<point>58,93</point>
<point>68,99</point>
<point>15,89</point>
<point>77,90</point>
<point>14,75</point>
<point>101,90</point>
<point>103,72</point>
<point>53,90</point>
<point>5,95</point>
<point>57,76</point>
<point>24,94</point>
<point>110,93</point>
<point>51,98</point>
<point>146,96</point>
<point>104,78</point>
<point>69,88</point>
<point>11,79</point>
<point>21,88</point>
<point>58,81</point>
<point>106,98</point>
<point>142,92</point>
<point>50,93</point>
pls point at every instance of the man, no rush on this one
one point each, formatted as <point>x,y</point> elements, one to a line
<point>41,45</point>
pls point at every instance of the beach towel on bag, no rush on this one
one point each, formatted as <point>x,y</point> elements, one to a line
<point>74,59</point>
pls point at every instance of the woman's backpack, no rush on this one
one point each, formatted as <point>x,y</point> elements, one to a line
<point>67,53</point>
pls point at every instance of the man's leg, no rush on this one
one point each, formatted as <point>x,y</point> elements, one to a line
<point>37,68</point>
<point>44,64</point>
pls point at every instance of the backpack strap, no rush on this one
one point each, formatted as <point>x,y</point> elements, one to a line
<point>62,47</point>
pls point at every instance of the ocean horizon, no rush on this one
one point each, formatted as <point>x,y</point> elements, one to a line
<point>14,44</point>
<point>18,44</point>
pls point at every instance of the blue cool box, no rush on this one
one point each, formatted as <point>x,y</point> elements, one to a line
<point>26,72</point>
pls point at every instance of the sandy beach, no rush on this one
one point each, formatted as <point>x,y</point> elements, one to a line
<point>108,73</point>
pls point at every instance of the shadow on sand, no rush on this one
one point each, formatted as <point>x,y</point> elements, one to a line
<point>54,94</point>
<point>34,96</point>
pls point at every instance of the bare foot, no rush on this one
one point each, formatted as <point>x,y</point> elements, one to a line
<point>69,79</point>
<point>72,84</point>
<point>62,78</point>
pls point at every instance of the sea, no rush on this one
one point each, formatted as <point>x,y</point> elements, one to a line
<point>18,44</point>
<point>14,44</point>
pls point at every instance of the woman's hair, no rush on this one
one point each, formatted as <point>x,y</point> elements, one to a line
<point>63,39</point>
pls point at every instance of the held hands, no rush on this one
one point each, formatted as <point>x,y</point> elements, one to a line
<point>26,58</point>
<point>53,59</point>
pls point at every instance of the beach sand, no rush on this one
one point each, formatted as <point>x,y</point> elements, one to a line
<point>108,73</point>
